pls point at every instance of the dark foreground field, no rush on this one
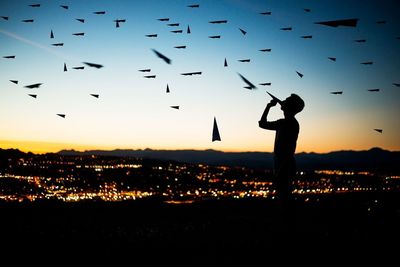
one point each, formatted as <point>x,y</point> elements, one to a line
<point>358,227</point>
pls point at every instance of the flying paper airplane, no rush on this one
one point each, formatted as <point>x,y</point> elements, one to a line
<point>95,95</point>
<point>306,36</point>
<point>367,63</point>
<point>35,85</point>
<point>342,22</point>
<point>9,57</point>
<point>244,60</point>
<point>337,93</point>
<point>360,41</point>
<point>180,46</point>
<point>243,31</point>
<point>264,84</point>
<point>193,6</point>
<point>191,73</point>
<point>35,5</point>
<point>151,35</point>
<point>167,91</point>
<point>81,20</point>
<point>266,13</point>
<point>14,81</point>
<point>374,90</point>
<point>149,76</point>
<point>145,70</point>
<point>173,24</point>
<point>396,84</point>
<point>251,85</point>
<point>93,65</point>
<point>164,19</point>
<point>332,58</point>
<point>175,107</point>
<point>6,18</point>
<point>215,36</point>
<point>307,9</point>
<point>34,96</point>
<point>225,63</point>
<point>65,67</point>
<point>65,7</point>
<point>78,68</point>
<point>79,34</point>
<point>166,59</point>
<point>99,12</point>
<point>286,29</point>
<point>298,73</point>
<point>218,21</point>
<point>51,34</point>
<point>177,31</point>
<point>61,115</point>
<point>215,132</point>
<point>27,20</point>
<point>265,50</point>
<point>58,44</point>
<point>188,30</point>
<point>379,130</point>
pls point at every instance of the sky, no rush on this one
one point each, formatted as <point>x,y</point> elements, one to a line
<point>133,112</point>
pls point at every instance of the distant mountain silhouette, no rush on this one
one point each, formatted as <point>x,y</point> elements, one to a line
<point>374,159</point>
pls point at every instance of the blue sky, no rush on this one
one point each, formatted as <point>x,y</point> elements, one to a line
<point>134,112</point>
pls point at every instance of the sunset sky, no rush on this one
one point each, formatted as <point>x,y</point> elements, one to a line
<point>133,112</point>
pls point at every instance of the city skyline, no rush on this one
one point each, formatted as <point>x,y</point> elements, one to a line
<point>134,112</point>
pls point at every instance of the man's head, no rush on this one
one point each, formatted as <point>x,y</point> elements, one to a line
<point>292,105</point>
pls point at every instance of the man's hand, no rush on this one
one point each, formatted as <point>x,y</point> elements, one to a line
<point>272,103</point>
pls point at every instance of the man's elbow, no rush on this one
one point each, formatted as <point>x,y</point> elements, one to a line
<point>262,125</point>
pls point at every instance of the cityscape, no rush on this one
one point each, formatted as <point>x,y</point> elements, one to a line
<point>64,178</point>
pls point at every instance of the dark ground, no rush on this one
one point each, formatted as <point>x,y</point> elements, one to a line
<point>356,227</point>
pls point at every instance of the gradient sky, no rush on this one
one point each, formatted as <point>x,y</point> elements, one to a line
<point>134,112</point>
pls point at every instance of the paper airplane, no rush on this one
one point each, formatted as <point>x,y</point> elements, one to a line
<point>188,30</point>
<point>5,18</point>
<point>250,84</point>
<point>99,12</point>
<point>191,73</point>
<point>163,19</point>
<point>218,21</point>
<point>332,58</point>
<point>167,91</point>
<point>360,41</point>
<point>379,130</point>
<point>194,6</point>
<point>243,31</point>
<point>175,107</point>
<point>79,34</point>
<point>81,20</point>
<point>266,13</point>
<point>63,6</point>
<point>244,60</point>
<point>248,87</point>
<point>14,81</point>
<point>9,57</point>
<point>93,65</point>
<point>177,31</point>
<point>225,63</point>
<point>95,95</point>
<point>396,84</point>
<point>35,85</point>
<point>61,115</point>
<point>298,73</point>
<point>180,46</point>
<point>65,67</point>
<point>150,76</point>
<point>286,29</point>
<point>35,5</point>
<point>215,132</point>
<point>58,44</point>
<point>145,70</point>
<point>275,98</point>
<point>78,68</point>
<point>166,59</point>
<point>337,93</point>
<point>367,63</point>
<point>214,36</point>
<point>374,90</point>
<point>51,34</point>
<point>34,96</point>
<point>307,9</point>
<point>265,50</point>
<point>28,20</point>
<point>264,84</point>
<point>173,24</point>
<point>151,35</point>
<point>306,36</point>
<point>337,23</point>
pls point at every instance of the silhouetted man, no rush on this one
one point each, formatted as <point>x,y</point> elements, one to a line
<point>287,130</point>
